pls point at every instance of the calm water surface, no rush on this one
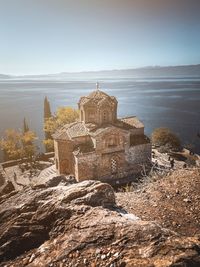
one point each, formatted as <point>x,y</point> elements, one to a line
<point>173,103</point>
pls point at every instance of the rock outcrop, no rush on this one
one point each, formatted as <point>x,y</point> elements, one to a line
<point>2,178</point>
<point>80,225</point>
<point>6,188</point>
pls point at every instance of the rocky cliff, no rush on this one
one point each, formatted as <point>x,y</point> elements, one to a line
<point>81,225</point>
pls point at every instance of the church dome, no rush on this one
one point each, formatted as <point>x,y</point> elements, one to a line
<point>96,97</point>
<point>98,94</point>
<point>98,107</point>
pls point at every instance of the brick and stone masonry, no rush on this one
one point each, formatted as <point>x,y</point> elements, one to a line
<point>99,145</point>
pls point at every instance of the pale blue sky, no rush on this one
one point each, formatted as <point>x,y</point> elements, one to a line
<point>50,36</point>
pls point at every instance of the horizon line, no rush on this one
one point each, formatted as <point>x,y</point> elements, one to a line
<point>100,70</point>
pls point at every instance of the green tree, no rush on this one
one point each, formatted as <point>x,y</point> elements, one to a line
<point>63,115</point>
<point>164,137</point>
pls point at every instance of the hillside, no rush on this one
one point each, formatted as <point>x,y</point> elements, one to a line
<point>87,224</point>
<point>172,201</point>
<point>4,76</point>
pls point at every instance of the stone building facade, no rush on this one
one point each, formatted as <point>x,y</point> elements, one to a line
<point>101,146</point>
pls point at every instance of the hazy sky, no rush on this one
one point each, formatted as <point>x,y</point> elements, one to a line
<point>48,36</point>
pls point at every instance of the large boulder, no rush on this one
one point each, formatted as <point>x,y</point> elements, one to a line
<point>80,225</point>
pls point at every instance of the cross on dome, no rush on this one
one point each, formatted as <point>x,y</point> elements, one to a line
<point>97,86</point>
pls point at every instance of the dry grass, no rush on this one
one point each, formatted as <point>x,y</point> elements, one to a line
<point>172,200</point>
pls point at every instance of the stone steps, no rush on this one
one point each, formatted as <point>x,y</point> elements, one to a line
<point>47,172</point>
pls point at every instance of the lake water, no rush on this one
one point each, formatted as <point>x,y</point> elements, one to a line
<point>167,102</point>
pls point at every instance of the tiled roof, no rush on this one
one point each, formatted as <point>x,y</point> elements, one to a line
<point>96,97</point>
<point>60,134</point>
<point>70,131</point>
<point>98,94</point>
<point>133,121</point>
<point>100,130</point>
<point>77,129</point>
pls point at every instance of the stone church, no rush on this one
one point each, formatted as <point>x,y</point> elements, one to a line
<point>101,146</point>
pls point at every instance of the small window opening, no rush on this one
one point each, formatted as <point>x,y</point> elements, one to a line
<point>114,165</point>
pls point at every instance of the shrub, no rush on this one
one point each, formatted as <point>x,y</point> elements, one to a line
<point>190,161</point>
<point>164,137</point>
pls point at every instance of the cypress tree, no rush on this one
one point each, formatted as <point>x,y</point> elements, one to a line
<point>47,115</point>
<point>47,109</point>
<point>25,126</point>
<point>26,129</point>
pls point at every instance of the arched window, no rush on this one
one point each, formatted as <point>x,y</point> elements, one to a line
<point>91,115</point>
<point>114,165</point>
<point>111,141</point>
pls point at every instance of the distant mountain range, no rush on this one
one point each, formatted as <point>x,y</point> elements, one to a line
<point>3,76</point>
<point>145,72</point>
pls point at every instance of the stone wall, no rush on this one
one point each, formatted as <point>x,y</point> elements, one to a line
<point>80,140</point>
<point>112,163</point>
<point>109,166</point>
<point>100,166</point>
<point>63,156</point>
<point>105,163</point>
<point>104,140</point>
<point>137,131</point>
<point>86,166</point>
<point>42,157</point>
<point>139,154</point>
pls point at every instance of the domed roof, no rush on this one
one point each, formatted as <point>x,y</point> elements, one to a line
<point>96,97</point>
<point>98,94</point>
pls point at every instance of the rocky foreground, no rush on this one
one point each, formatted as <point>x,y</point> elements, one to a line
<point>173,201</point>
<point>81,225</point>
